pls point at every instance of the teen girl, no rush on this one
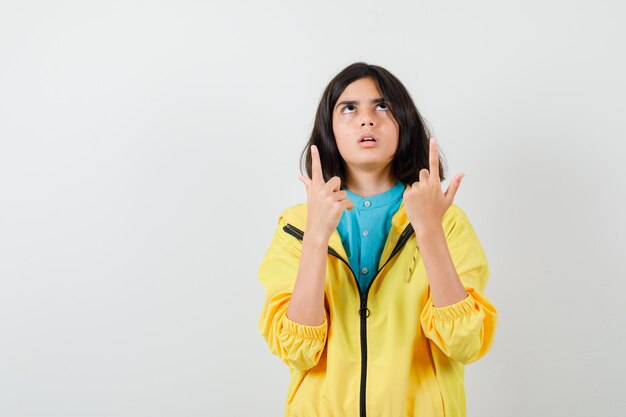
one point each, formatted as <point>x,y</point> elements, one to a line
<point>375,287</point>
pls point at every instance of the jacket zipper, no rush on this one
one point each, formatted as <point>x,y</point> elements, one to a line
<point>364,312</point>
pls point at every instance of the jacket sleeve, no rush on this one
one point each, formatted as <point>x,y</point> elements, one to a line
<point>464,331</point>
<point>299,346</point>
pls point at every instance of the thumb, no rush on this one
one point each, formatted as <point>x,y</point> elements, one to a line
<point>305,180</point>
<point>454,186</point>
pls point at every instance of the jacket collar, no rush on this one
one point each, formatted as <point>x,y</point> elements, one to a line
<point>297,216</point>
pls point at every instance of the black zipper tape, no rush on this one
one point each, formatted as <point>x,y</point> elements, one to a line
<point>364,312</point>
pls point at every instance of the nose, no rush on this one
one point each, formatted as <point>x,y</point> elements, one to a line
<point>367,118</point>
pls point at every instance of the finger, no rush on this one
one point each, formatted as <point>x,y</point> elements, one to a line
<point>453,187</point>
<point>333,184</point>
<point>347,204</point>
<point>434,158</point>
<point>316,166</point>
<point>340,195</point>
<point>306,181</point>
<point>424,175</point>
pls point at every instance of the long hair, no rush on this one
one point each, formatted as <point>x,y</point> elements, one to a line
<point>413,141</point>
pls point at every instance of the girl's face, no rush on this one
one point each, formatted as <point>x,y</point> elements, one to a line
<point>362,112</point>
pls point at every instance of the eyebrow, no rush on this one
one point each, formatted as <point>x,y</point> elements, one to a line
<point>353,102</point>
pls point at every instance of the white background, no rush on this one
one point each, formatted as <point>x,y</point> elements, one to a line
<point>147,149</point>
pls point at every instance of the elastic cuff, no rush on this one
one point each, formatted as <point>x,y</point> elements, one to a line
<point>303,331</point>
<point>453,311</point>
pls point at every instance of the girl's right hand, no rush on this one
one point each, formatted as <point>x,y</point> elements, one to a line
<point>325,201</point>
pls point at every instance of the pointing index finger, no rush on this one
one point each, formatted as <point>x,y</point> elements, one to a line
<point>316,166</point>
<point>434,159</point>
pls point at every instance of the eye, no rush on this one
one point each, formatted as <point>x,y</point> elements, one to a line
<point>350,107</point>
<point>385,106</point>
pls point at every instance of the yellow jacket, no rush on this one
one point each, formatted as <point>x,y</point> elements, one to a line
<point>388,352</point>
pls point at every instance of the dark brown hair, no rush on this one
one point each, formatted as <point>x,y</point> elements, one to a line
<point>413,142</point>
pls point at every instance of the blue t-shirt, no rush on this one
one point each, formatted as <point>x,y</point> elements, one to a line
<point>364,230</point>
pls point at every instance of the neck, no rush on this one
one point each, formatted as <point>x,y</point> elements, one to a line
<point>369,183</point>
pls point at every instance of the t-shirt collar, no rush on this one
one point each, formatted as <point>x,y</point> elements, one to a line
<point>387,197</point>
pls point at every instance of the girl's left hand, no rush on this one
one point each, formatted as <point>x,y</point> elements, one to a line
<point>424,202</point>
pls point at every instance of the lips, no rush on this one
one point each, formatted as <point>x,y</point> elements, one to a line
<point>367,136</point>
